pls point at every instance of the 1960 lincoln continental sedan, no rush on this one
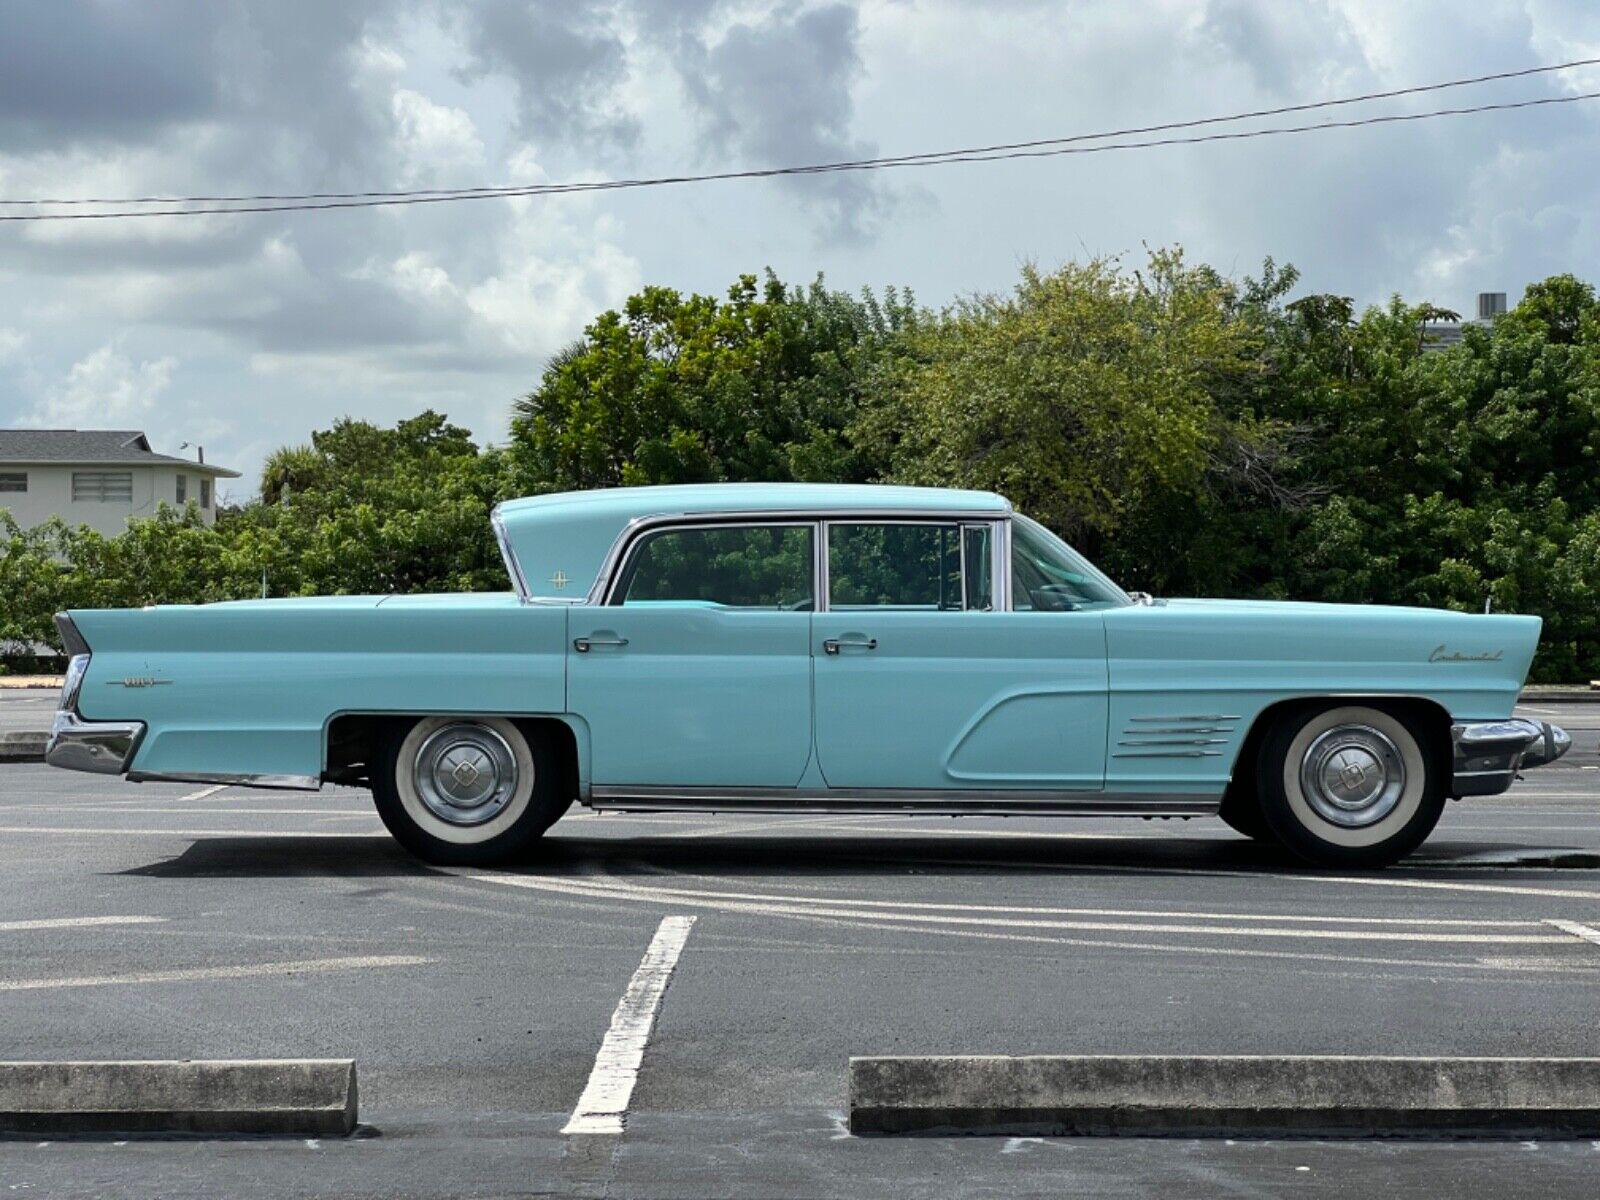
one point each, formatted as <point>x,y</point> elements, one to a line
<point>787,647</point>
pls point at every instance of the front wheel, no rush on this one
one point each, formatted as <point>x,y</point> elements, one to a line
<point>1350,786</point>
<point>466,791</point>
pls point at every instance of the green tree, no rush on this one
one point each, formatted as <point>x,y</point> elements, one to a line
<point>679,389</point>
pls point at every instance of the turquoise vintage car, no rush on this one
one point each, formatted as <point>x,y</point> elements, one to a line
<point>799,647</point>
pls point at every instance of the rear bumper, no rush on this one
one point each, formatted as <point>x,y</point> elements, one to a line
<point>104,747</point>
<point>1488,754</point>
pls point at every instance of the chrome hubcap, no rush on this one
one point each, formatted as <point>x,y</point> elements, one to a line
<point>1353,775</point>
<point>465,773</point>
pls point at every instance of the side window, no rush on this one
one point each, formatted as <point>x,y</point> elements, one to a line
<point>746,566</point>
<point>1047,575</point>
<point>927,567</point>
<point>183,489</point>
<point>205,492</point>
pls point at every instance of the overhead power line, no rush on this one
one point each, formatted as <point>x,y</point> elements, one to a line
<point>852,164</point>
<point>1089,143</point>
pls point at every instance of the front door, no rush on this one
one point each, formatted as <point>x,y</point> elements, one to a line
<point>698,673</point>
<point>921,685</point>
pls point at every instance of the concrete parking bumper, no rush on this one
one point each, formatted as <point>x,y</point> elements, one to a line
<point>1198,1096</point>
<point>291,1097</point>
<point>23,747</point>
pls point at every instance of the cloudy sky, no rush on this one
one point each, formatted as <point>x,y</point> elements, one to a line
<point>246,332</point>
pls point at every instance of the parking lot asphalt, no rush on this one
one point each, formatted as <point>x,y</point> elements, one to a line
<point>27,709</point>
<point>180,921</point>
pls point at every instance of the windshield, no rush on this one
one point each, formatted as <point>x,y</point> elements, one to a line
<point>1047,575</point>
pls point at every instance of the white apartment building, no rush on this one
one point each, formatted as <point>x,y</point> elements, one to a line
<point>98,477</point>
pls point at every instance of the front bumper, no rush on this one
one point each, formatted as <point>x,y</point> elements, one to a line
<point>1488,754</point>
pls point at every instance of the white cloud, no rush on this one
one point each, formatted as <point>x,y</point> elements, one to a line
<point>434,139</point>
<point>105,388</point>
<point>12,343</point>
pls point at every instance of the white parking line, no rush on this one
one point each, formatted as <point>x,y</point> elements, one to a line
<point>204,792</point>
<point>919,914</point>
<point>604,1103</point>
<point>1577,929</point>
<point>75,923</point>
<point>245,971</point>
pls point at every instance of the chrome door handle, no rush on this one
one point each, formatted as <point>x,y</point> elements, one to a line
<point>831,645</point>
<point>581,645</point>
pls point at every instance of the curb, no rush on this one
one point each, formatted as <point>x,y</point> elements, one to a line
<point>1559,695</point>
<point>23,747</point>
<point>1217,1096</point>
<point>299,1097</point>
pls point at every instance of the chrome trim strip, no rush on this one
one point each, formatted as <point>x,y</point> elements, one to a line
<point>902,801</point>
<point>1183,729</point>
<point>599,591</point>
<point>298,783</point>
<point>824,537</point>
<point>513,567</point>
<point>1201,717</point>
<point>1177,741</point>
<point>101,747</point>
<point>1167,754</point>
<point>1002,567</point>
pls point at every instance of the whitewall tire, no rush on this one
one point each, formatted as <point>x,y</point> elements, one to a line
<point>466,790</point>
<point>1350,784</point>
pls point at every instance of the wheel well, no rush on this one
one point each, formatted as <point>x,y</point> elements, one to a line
<point>1429,716</point>
<point>355,740</point>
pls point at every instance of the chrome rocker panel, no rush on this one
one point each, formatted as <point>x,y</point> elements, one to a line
<point>290,783</point>
<point>933,802</point>
<point>1488,754</point>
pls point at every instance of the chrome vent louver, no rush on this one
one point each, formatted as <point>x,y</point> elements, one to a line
<point>1184,736</point>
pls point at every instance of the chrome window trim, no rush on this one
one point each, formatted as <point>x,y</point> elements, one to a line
<point>600,591</point>
<point>513,567</point>
<point>612,600</point>
<point>1002,565</point>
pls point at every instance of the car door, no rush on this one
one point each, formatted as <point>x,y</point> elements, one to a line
<point>697,672</point>
<point>921,684</point>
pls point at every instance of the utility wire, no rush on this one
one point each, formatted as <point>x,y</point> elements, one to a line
<point>944,158</point>
<point>961,155</point>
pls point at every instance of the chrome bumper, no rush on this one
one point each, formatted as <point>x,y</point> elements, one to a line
<point>1488,754</point>
<point>105,747</point>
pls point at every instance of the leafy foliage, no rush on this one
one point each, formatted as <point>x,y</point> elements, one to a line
<point>1192,434</point>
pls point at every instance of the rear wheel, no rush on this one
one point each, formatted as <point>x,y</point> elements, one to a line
<point>467,790</point>
<point>1350,786</point>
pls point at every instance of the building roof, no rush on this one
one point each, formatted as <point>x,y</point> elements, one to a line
<point>100,447</point>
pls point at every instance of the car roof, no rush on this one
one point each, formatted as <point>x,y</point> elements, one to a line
<point>556,544</point>
<point>692,498</point>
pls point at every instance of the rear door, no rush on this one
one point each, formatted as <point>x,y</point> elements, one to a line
<point>921,685</point>
<point>698,673</point>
